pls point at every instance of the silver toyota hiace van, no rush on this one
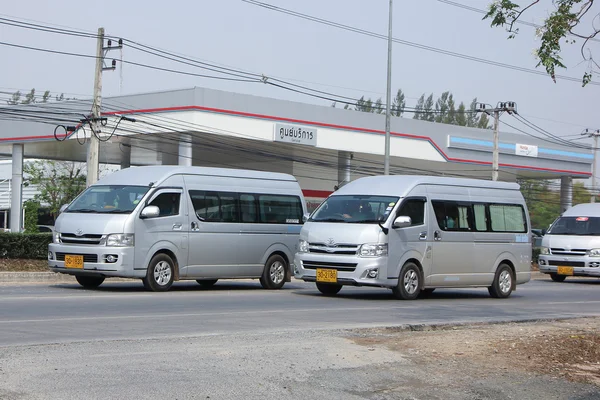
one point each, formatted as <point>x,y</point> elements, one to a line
<point>571,247</point>
<point>413,234</point>
<point>167,223</point>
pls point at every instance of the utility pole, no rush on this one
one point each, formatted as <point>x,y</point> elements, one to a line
<point>595,135</point>
<point>508,106</point>
<point>93,150</point>
<point>386,164</point>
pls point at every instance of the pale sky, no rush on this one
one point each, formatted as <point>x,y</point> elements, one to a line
<point>240,35</point>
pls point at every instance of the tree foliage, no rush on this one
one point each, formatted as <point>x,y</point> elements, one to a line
<point>31,97</point>
<point>31,209</point>
<point>543,200</point>
<point>566,24</point>
<point>57,182</point>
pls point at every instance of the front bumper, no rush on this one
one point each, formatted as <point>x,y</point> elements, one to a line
<point>582,266</point>
<point>351,270</point>
<point>96,261</point>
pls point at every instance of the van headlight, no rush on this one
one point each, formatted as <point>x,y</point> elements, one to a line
<point>56,237</point>
<point>373,250</point>
<point>544,250</point>
<point>120,240</point>
<point>302,246</point>
<point>594,253</point>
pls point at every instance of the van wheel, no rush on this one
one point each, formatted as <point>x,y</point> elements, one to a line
<point>557,277</point>
<point>329,289</point>
<point>160,274</point>
<point>274,274</point>
<point>502,286</point>
<point>409,282</point>
<point>90,282</point>
<point>206,282</point>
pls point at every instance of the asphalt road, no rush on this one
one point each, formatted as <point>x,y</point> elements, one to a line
<point>238,341</point>
<point>39,314</point>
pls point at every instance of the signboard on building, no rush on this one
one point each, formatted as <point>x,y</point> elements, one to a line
<point>526,150</point>
<point>295,134</point>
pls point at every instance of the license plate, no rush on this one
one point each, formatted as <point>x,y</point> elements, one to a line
<point>326,275</point>
<point>72,261</point>
<point>564,270</point>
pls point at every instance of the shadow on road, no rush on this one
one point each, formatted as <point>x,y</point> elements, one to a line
<point>374,294</point>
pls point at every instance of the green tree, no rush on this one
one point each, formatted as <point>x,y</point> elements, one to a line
<point>558,27</point>
<point>472,116</point>
<point>450,117</point>
<point>31,97</point>
<point>441,106</point>
<point>399,104</point>
<point>31,209</point>
<point>461,115</point>
<point>15,98</point>
<point>419,107</point>
<point>58,183</point>
<point>378,107</point>
<point>428,114</point>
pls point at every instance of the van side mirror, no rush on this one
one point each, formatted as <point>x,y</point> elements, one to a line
<point>150,212</point>
<point>305,217</point>
<point>544,231</point>
<point>402,222</point>
<point>63,208</point>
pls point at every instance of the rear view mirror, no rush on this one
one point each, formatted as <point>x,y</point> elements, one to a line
<point>150,212</point>
<point>402,222</point>
<point>63,208</point>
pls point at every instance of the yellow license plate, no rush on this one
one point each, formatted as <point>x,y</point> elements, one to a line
<point>564,270</point>
<point>326,275</point>
<point>72,261</point>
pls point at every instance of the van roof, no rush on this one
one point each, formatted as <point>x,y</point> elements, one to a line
<point>583,210</point>
<point>155,174</point>
<point>400,185</point>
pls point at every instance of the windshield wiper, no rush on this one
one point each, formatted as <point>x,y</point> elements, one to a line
<point>82,210</point>
<point>116,212</point>
<point>329,220</point>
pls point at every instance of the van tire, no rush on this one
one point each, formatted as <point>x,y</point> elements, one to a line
<point>409,282</point>
<point>160,273</point>
<point>503,283</point>
<point>90,282</point>
<point>329,289</point>
<point>558,278</point>
<point>274,273</point>
<point>206,282</point>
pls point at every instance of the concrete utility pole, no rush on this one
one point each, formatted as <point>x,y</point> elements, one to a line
<point>595,135</point>
<point>93,150</point>
<point>386,164</point>
<point>508,106</point>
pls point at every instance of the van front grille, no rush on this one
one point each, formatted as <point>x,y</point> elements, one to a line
<point>567,263</point>
<point>346,267</point>
<point>71,238</point>
<point>563,252</point>
<point>338,249</point>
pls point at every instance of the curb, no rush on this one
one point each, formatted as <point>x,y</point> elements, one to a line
<point>55,277</point>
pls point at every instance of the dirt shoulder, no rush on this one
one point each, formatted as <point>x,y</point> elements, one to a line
<point>23,265</point>
<point>568,349</point>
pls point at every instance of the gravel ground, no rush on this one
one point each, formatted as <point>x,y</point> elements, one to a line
<point>483,362</point>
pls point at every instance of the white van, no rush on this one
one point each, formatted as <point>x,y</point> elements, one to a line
<point>166,223</point>
<point>571,247</point>
<point>413,234</point>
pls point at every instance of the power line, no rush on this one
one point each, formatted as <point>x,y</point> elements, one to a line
<point>406,42</point>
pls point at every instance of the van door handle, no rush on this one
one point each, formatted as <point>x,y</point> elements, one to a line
<point>177,227</point>
<point>437,235</point>
<point>423,235</point>
<point>195,226</point>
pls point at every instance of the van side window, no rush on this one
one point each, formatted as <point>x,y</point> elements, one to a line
<point>415,209</point>
<point>452,216</point>
<point>248,208</point>
<point>215,206</point>
<point>480,217</point>
<point>279,209</point>
<point>507,218</point>
<point>167,203</point>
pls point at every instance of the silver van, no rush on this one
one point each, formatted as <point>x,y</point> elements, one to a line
<point>413,234</point>
<point>571,247</point>
<point>167,223</point>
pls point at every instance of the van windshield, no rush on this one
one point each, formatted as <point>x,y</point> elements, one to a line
<point>113,199</point>
<point>355,209</point>
<point>585,226</point>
